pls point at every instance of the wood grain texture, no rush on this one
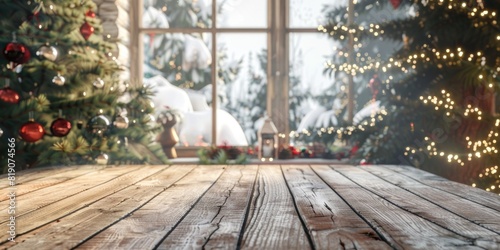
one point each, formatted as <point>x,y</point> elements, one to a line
<point>45,179</point>
<point>146,227</point>
<point>435,213</point>
<point>39,198</point>
<point>462,191</point>
<point>398,227</point>
<point>273,222</point>
<point>77,227</point>
<point>217,219</point>
<point>28,175</point>
<point>330,221</point>
<point>250,207</point>
<point>483,216</point>
<point>51,212</point>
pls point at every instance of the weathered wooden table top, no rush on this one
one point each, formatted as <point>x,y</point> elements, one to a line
<point>252,206</point>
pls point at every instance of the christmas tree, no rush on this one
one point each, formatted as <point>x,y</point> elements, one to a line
<point>366,52</point>
<point>440,86</point>
<point>61,99</point>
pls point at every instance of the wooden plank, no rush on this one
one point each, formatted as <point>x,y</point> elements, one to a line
<point>473,212</point>
<point>61,208</point>
<point>77,227</point>
<point>146,227</point>
<point>463,191</point>
<point>398,227</point>
<point>217,219</point>
<point>272,222</point>
<point>330,221</point>
<point>436,213</point>
<point>25,176</point>
<point>46,179</point>
<point>43,197</point>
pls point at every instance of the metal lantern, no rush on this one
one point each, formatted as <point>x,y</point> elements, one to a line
<point>268,141</point>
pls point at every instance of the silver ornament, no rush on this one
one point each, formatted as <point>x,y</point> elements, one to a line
<point>121,122</point>
<point>123,141</point>
<point>1,132</point>
<point>98,125</point>
<point>59,80</point>
<point>18,68</point>
<point>102,159</point>
<point>98,83</point>
<point>47,52</point>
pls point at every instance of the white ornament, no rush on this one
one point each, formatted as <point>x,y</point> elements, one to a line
<point>98,83</point>
<point>59,80</point>
<point>102,159</point>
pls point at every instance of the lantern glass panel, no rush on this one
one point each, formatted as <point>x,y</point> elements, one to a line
<point>268,146</point>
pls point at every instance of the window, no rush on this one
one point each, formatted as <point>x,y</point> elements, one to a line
<point>245,58</point>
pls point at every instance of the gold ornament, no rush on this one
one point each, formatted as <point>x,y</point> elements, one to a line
<point>121,122</point>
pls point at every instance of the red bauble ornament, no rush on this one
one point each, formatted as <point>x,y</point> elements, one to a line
<point>9,95</point>
<point>14,52</point>
<point>374,85</point>
<point>364,162</point>
<point>26,57</point>
<point>90,13</point>
<point>396,3</point>
<point>86,30</point>
<point>31,131</point>
<point>60,127</point>
<point>35,16</point>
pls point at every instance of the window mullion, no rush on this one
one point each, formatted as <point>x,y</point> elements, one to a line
<point>277,99</point>
<point>214,72</point>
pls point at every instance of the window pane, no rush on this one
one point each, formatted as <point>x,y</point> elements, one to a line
<point>312,92</point>
<point>308,13</point>
<point>242,63</point>
<point>242,14</point>
<point>177,14</point>
<point>179,67</point>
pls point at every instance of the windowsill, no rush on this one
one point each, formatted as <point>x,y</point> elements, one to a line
<point>194,160</point>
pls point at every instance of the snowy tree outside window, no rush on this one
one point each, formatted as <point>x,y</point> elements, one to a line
<point>178,38</point>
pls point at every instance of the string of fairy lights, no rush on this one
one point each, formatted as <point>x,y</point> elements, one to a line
<point>449,56</point>
<point>364,63</point>
<point>477,148</point>
<point>375,116</point>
